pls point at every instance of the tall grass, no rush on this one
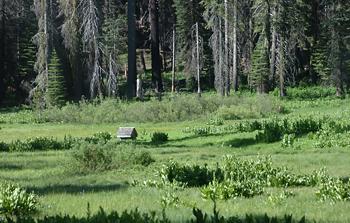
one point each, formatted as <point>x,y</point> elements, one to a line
<point>178,108</point>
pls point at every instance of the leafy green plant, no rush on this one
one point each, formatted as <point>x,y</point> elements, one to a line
<point>279,198</point>
<point>159,138</point>
<point>288,141</point>
<point>215,121</point>
<point>143,158</point>
<point>191,176</point>
<point>334,190</point>
<point>92,157</point>
<point>16,202</point>
<point>100,137</point>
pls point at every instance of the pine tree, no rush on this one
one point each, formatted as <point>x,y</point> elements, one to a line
<point>260,66</point>
<point>56,90</point>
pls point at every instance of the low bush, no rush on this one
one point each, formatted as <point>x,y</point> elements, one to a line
<point>215,121</point>
<point>235,177</point>
<point>143,158</point>
<point>190,176</point>
<point>288,141</point>
<point>16,202</point>
<point>92,157</point>
<point>334,190</point>
<point>50,143</point>
<point>309,93</point>
<point>159,138</point>
<point>100,137</point>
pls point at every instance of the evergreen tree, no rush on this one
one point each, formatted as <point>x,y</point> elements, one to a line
<point>56,90</point>
<point>260,66</point>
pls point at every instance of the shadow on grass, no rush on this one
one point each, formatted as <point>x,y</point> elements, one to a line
<point>76,189</point>
<point>6,166</point>
<point>135,216</point>
<point>241,142</point>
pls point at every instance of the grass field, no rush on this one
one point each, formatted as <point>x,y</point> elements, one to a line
<point>63,190</point>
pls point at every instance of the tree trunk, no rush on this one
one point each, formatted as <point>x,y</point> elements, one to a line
<point>273,54</point>
<point>199,91</point>
<point>282,68</point>
<point>143,61</point>
<point>3,53</point>
<point>221,73</point>
<point>227,49</point>
<point>235,68</point>
<point>131,78</point>
<point>156,60</point>
<point>173,62</point>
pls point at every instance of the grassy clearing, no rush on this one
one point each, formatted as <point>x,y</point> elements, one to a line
<point>63,190</point>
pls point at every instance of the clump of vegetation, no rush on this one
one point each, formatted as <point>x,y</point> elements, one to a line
<point>235,177</point>
<point>215,121</point>
<point>16,202</point>
<point>334,190</point>
<point>143,158</point>
<point>100,137</point>
<point>159,137</point>
<point>288,141</point>
<point>308,93</point>
<point>279,198</point>
<point>191,176</point>
<point>92,157</point>
<point>49,143</point>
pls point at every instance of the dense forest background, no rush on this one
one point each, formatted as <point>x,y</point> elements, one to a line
<point>53,51</point>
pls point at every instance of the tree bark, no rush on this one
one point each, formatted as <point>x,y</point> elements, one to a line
<point>235,68</point>
<point>227,48</point>
<point>173,62</point>
<point>143,61</point>
<point>3,53</point>
<point>131,78</point>
<point>273,54</point>
<point>156,60</point>
<point>199,91</point>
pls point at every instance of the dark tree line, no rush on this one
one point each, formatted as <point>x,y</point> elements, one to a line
<point>52,51</point>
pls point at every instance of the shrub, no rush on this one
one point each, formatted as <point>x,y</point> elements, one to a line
<point>15,201</point>
<point>92,157</point>
<point>308,93</point>
<point>159,137</point>
<point>4,147</point>
<point>100,137</point>
<point>334,190</point>
<point>46,143</point>
<point>288,141</point>
<point>143,158</point>
<point>215,121</point>
<point>191,176</point>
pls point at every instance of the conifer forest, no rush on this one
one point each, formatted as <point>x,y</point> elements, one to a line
<point>169,111</point>
<point>53,51</point>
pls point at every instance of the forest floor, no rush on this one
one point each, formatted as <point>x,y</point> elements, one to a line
<point>62,190</point>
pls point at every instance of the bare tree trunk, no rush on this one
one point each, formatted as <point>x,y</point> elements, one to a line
<point>227,49</point>
<point>156,60</point>
<point>131,77</point>
<point>222,78</point>
<point>173,62</point>
<point>3,51</point>
<point>251,46</point>
<point>282,67</point>
<point>235,68</point>
<point>198,61</point>
<point>273,54</point>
